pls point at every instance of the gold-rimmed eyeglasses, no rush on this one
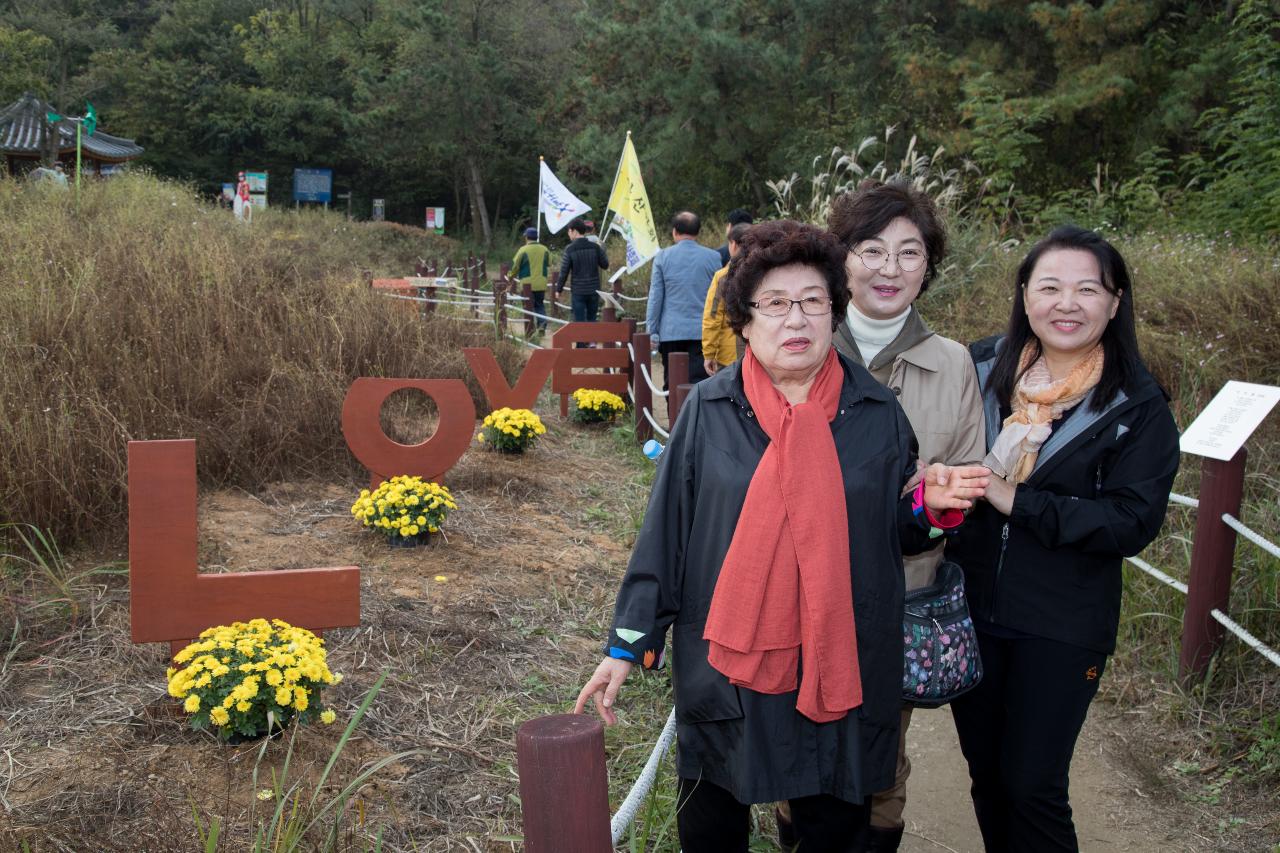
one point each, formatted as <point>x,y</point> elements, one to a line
<point>875,257</point>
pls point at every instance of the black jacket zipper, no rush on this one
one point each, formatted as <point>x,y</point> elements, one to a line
<point>995,587</point>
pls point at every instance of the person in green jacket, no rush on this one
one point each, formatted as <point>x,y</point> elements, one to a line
<point>530,266</point>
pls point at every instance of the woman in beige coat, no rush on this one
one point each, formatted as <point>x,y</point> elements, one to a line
<point>896,242</point>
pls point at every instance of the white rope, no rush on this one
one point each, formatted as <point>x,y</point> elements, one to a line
<point>1249,640</point>
<point>1229,623</point>
<point>1158,575</point>
<point>536,314</point>
<point>644,371</point>
<point>627,811</point>
<point>1236,525</point>
<point>633,298</point>
<point>1175,498</point>
<point>521,339</point>
<point>659,430</point>
<point>469,303</point>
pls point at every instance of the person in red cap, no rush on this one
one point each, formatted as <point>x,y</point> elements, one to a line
<point>242,204</point>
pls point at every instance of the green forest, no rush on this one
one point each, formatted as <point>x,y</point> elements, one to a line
<point>1115,112</point>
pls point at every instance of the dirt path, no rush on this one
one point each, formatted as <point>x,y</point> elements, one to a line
<point>1113,812</point>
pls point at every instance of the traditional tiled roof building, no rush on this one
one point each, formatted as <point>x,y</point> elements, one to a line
<point>24,139</point>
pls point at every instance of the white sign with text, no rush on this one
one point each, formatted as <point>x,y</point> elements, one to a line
<point>1229,419</point>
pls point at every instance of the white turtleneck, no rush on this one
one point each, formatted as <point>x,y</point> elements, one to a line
<point>873,335</point>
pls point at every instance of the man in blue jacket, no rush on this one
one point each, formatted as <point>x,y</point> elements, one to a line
<point>677,293</point>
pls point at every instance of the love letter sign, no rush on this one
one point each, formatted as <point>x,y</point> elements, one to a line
<point>170,601</point>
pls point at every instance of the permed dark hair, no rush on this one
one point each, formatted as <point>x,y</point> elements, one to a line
<point>1119,339</point>
<point>780,243</point>
<point>868,210</point>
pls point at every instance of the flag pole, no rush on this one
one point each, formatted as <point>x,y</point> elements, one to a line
<point>604,227</point>
<point>538,217</point>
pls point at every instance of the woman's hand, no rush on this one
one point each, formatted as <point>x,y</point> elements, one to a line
<point>947,487</point>
<point>915,479</point>
<point>1000,493</point>
<point>603,687</point>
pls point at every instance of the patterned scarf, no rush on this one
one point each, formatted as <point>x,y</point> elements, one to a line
<point>1037,402</point>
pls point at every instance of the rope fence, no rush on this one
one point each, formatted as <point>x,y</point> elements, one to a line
<point>635,797</point>
<point>1212,563</point>
<point>1235,524</point>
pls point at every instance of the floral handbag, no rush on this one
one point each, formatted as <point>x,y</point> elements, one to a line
<point>940,644</point>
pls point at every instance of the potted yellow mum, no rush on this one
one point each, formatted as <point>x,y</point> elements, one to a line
<point>510,430</point>
<point>407,510</point>
<point>593,406</point>
<point>246,680</point>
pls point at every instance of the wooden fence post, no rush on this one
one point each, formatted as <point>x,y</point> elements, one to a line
<point>564,787</point>
<point>641,396</point>
<point>552,282</point>
<point>677,375</point>
<point>1212,561</point>
<point>473,286</point>
<point>500,304</point>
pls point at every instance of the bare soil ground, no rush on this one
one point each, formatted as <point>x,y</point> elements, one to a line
<point>497,622</point>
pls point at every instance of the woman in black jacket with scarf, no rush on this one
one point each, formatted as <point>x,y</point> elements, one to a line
<point>1083,452</point>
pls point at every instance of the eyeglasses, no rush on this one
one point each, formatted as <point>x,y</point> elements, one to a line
<point>776,306</point>
<point>874,257</point>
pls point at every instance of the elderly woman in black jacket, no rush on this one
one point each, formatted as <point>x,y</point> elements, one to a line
<point>1083,451</point>
<point>772,548</point>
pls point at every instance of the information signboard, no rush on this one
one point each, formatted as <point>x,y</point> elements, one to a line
<point>313,185</point>
<point>1229,419</point>
<point>257,188</point>
<point>379,209</point>
<point>435,219</point>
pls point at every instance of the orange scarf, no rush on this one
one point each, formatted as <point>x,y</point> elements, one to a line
<point>772,598</point>
<point>1037,402</point>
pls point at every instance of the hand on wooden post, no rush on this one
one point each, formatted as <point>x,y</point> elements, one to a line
<point>603,687</point>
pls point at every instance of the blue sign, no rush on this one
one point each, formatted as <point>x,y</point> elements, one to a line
<point>313,185</point>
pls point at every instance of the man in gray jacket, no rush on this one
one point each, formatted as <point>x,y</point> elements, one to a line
<point>677,293</point>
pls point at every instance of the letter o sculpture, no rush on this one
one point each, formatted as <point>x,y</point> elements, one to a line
<point>386,458</point>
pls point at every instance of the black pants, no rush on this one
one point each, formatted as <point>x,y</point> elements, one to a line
<point>540,308</point>
<point>710,820</point>
<point>697,372</point>
<point>586,306</point>
<point>1018,729</point>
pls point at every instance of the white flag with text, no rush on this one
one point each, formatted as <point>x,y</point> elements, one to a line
<point>556,204</point>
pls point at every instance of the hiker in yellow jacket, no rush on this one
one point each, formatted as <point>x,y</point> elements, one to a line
<point>720,346</point>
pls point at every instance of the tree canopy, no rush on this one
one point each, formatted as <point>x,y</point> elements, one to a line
<point>451,102</point>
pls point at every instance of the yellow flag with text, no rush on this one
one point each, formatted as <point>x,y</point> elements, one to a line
<point>632,217</point>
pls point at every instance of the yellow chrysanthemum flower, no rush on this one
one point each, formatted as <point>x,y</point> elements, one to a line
<point>192,704</point>
<point>328,716</point>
